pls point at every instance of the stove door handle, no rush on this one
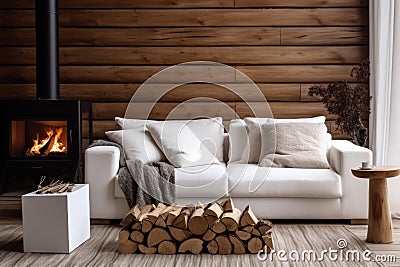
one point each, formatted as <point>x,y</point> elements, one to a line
<point>70,136</point>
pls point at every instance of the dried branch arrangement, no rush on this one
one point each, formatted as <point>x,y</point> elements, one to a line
<point>348,102</point>
<point>54,187</point>
<point>219,228</point>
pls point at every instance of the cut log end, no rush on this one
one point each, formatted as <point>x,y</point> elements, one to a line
<point>192,245</point>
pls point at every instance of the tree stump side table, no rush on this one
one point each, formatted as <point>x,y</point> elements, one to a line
<point>379,220</point>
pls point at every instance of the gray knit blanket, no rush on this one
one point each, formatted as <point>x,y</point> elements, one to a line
<point>141,183</point>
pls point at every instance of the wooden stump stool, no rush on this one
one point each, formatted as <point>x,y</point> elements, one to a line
<point>379,220</point>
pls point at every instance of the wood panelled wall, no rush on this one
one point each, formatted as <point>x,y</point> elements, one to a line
<point>108,48</point>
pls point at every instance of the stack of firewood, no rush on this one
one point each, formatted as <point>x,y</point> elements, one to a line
<point>54,187</point>
<point>218,228</point>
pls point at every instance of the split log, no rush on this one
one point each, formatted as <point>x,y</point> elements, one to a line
<point>160,222</point>
<point>181,221</point>
<point>238,246</point>
<point>227,205</point>
<point>171,216</point>
<point>218,227</point>
<point>198,224</point>
<point>211,220</point>
<point>192,245</point>
<point>128,247</point>
<point>231,219</point>
<point>167,210</point>
<point>153,216</point>
<point>248,217</point>
<point>167,248</point>
<point>243,235</point>
<point>212,247</point>
<point>179,234</point>
<point>156,236</point>
<point>147,250</point>
<point>147,225</point>
<point>263,226</point>
<point>130,217</point>
<point>268,241</point>
<point>145,211</point>
<point>214,210</point>
<point>137,236</point>
<point>224,245</point>
<point>209,235</point>
<point>123,235</point>
<point>252,230</point>
<point>136,226</point>
<point>254,245</point>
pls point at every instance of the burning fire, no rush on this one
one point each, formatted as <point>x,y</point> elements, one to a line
<point>49,144</point>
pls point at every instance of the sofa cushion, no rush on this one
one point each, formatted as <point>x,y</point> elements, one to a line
<point>180,145</point>
<point>237,139</point>
<point>298,145</point>
<point>199,181</point>
<point>202,181</point>
<point>250,180</point>
<point>253,125</point>
<point>137,144</point>
<point>208,131</point>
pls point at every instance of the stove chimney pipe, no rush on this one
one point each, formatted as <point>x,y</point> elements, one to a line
<point>47,73</point>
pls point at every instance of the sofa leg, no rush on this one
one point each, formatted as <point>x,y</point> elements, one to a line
<point>358,221</point>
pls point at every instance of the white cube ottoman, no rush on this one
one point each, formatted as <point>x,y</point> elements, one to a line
<point>56,223</point>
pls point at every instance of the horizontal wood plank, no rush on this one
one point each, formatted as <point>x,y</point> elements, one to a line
<point>100,127</point>
<point>194,36</point>
<point>300,3</point>
<point>175,55</point>
<point>124,4</point>
<point>187,36</point>
<point>124,92</point>
<point>298,73</point>
<point>159,111</point>
<point>134,74</point>
<point>283,110</point>
<point>120,74</point>
<point>216,17</point>
<point>324,35</point>
<point>194,17</point>
<point>26,4</point>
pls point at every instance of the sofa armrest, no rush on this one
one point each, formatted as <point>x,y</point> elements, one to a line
<point>345,155</point>
<point>101,166</point>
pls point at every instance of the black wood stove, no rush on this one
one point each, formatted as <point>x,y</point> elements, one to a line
<point>44,136</point>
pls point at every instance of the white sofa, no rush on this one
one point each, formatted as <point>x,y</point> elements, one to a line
<point>285,193</point>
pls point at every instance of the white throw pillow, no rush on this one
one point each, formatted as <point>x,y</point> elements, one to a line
<point>180,145</point>
<point>209,131</point>
<point>252,152</point>
<point>298,145</point>
<point>238,140</point>
<point>138,144</point>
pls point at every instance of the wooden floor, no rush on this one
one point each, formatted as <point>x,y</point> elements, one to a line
<point>13,216</point>
<point>381,249</point>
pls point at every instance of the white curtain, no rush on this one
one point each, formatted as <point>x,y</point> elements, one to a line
<point>385,90</point>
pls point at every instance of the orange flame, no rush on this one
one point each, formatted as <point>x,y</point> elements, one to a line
<point>56,145</point>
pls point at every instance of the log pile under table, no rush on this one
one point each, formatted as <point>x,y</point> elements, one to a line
<point>218,228</point>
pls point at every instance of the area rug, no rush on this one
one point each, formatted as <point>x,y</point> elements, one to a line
<point>101,249</point>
